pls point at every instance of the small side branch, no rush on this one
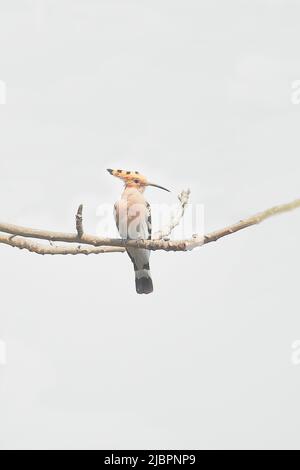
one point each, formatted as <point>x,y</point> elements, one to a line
<point>79,221</point>
<point>176,218</point>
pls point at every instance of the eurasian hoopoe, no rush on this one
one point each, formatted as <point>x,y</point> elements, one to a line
<point>133,218</point>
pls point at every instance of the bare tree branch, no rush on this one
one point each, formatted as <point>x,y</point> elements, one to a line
<point>254,220</point>
<point>18,237</point>
<point>42,249</point>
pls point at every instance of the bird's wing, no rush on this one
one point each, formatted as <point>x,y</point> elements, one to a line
<point>116,214</point>
<point>149,221</point>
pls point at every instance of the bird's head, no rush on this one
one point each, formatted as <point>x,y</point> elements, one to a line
<point>133,179</point>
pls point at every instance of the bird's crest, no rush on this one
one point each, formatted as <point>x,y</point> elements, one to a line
<point>134,179</point>
<point>129,176</point>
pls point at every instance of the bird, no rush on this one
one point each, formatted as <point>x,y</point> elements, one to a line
<point>132,214</point>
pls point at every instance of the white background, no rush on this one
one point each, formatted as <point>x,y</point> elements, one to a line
<point>193,94</point>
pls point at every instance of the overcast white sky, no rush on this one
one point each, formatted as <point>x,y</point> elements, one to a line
<point>193,94</point>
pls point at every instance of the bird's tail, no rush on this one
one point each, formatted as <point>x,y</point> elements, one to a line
<point>140,260</point>
<point>143,281</point>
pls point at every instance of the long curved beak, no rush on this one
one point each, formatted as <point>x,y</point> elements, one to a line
<point>157,186</point>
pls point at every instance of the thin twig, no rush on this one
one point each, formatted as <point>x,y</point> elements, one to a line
<point>176,218</point>
<point>79,221</point>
